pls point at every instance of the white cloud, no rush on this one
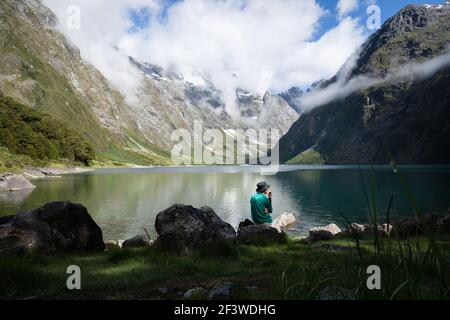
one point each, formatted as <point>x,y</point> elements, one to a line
<point>252,44</point>
<point>103,27</point>
<point>342,88</point>
<point>345,7</point>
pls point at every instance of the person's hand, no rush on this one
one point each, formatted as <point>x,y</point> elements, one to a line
<point>270,194</point>
<point>266,211</point>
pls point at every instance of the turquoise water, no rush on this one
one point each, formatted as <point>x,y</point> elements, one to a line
<point>124,201</point>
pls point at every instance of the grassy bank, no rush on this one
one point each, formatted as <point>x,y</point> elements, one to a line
<point>15,163</point>
<point>290,271</point>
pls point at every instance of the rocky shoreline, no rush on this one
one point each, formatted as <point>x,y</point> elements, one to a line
<point>11,182</point>
<point>44,172</point>
<point>58,228</point>
<point>182,229</point>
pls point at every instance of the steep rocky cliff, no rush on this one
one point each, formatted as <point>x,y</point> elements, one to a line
<point>400,115</point>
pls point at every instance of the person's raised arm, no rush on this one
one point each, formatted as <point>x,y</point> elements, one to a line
<point>269,203</point>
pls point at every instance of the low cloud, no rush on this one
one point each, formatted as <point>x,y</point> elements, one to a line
<point>344,87</point>
<point>257,45</point>
<point>103,26</point>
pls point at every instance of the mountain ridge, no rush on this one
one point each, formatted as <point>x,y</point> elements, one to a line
<point>400,120</point>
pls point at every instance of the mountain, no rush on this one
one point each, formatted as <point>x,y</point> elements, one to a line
<point>292,95</point>
<point>398,116</point>
<point>42,70</point>
<point>168,102</point>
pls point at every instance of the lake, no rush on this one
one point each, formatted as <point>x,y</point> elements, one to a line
<point>124,201</point>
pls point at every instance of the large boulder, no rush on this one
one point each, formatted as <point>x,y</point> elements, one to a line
<point>183,228</point>
<point>55,227</point>
<point>25,232</point>
<point>14,182</point>
<point>72,226</point>
<point>324,233</point>
<point>259,234</point>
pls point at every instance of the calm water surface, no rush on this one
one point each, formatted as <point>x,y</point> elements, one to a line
<point>124,201</point>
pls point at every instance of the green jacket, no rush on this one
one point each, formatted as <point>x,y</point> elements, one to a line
<point>258,203</point>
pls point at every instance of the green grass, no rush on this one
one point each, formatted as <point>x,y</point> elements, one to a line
<point>290,271</point>
<point>307,157</point>
<point>117,156</point>
<point>13,163</point>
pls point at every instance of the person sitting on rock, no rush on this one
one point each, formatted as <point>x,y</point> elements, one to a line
<point>261,204</point>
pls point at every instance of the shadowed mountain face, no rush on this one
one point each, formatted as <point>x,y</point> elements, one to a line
<point>401,119</point>
<point>39,68</point>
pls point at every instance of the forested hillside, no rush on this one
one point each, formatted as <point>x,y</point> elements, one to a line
<point>25,131</point>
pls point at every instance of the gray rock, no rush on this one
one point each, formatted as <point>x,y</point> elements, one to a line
<point>25,232</point>
<point>42,172</point>
<point>285,221</point>
<point>413,226</point>
<point>197,292</point>
<point>336,293</point>
<point>304,240</point>
<point>324,233</point>
<point>385,229</point>
<point>138,241</point>
<point>113,244</point>
<point>183,228</point>
<point>12,182</point>
<point>72,226</point>
<point>55,227</point>
<point>163,291</point>
<point>260,234</point>
<point>221,291</point>
<point>245,223</point>
<point>355,228</point>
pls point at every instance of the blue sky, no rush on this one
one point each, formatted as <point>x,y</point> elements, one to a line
<point>141,17</point>
<point>388,9</point>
